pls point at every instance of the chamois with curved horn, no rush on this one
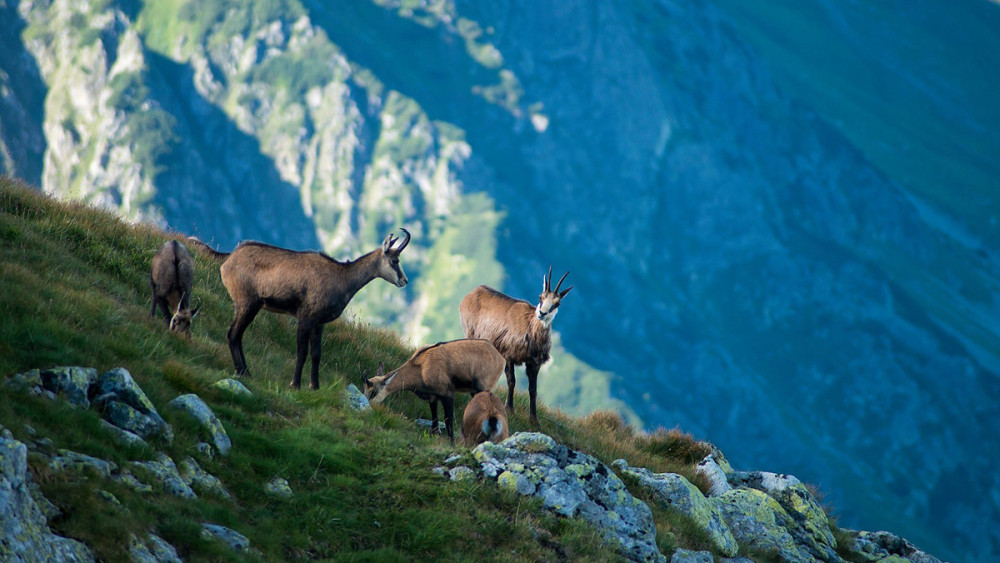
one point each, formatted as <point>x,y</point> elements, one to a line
<point>310,286</point>
<point>520,331</point>
<point>171,278</point>
<point>435,373</point>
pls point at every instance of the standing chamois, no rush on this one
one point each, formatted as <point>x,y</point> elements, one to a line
<point>520,331</point>
<point>435,373</point>
<point>310,286</point>
<point>171,278</point>
<point>485,419</point>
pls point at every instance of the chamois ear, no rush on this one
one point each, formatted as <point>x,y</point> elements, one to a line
<point>381,370</point>
<point>196,309</point>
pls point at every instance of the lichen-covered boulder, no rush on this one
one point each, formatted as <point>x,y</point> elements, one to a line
<point>70,382</point>
<point>27,382</point>
<point>67,460</point>
<point>165,472</point>
<point>688,556</point>
<point>573,484</point>
<point>461,473</point>
<point>24,531</point>
<point>758,521</point>
<point>131,420</point>
<point>118,386</point>
<point>279,487</point>
<point>812,526</point>
<point>122,436</point>
<point>884,546</point>
<point>716,468</point>
<point>675,492</point>
<point>202,481</point>
<point>355,399</point>
<point>153,550</point>
<point>233,386</point>
<point>233,539</point>
<point>197,409</point>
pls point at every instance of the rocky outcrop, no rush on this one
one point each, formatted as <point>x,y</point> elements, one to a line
<point>231,538</point>
<point>572,484</point>
<point>24,532</point>
<point>196,408</point>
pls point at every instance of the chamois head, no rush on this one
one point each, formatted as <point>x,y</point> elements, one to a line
<point>549,299</point>
<point>375,387</point>
<point>181,320</point>
<point>388,267</point>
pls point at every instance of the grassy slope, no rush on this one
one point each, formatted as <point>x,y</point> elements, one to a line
<point>76,293</point>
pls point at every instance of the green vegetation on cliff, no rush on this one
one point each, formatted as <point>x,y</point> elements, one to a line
<point>76,293</point>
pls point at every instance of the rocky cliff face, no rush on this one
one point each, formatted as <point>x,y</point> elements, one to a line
<point>742,269</point>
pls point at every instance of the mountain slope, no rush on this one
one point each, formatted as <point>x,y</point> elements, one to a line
<point>757,259</point>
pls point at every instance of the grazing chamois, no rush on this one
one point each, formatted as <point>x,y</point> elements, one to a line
<point>171,278</point>
<point>520,331</point>
<point>310,286</point>
<point>485,419</point>
<point>435,373</point>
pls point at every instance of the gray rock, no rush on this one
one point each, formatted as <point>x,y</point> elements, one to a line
<point>45,505</point>
<point>118,384</point>
<point>131,420</point>
<point>572,484</point>
<point>27,382</point>
<point>67,460</point>
<point>233,386</point>
<point>716,473</point>
<point>205,450</point>
<point>279,487</point>
<point>197,409</point>
<point>452,458</point>
<point>687,556</point>
<point>123,437</point>
<point>126,478</point>
<point>462,473</point>
<point>24,531</point>
<point>675,492</point>
<point>200,480</point>
<point>356,400</point>
<point>165,472</point>
<point>440,471</point>
<point>759,522</point>
<point>765,481</point>
<point>109,498</point>
<point>154,550</point>
<point>73,383</point>
<point>880,545</point>
<point>428,424</point>
<point>233,539</point>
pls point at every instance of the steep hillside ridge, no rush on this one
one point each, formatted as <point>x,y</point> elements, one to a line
<point>172,458</point>
<point>729,243</point>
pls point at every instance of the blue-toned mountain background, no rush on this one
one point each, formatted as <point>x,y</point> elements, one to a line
<point>780,216</point>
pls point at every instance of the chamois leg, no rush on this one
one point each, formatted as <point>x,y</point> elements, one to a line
<point>301,349</point>
<point>434,415</point>
<point>449,416</point>
<point>244,316</point>
<point>532,371</point>
<point>509,370</point>
<point>152,310</point>
<point>315,350</point>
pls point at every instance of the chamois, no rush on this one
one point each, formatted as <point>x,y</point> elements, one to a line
<point>485,419</point>
<point>520,331</point>
<point>310,286</point>
<point>171,278</point>
<point>435,373</point>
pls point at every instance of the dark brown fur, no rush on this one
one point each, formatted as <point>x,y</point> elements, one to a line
<point>171,279</point>
<point>310,286</point>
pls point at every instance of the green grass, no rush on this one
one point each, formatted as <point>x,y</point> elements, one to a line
<point>75,292</point>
